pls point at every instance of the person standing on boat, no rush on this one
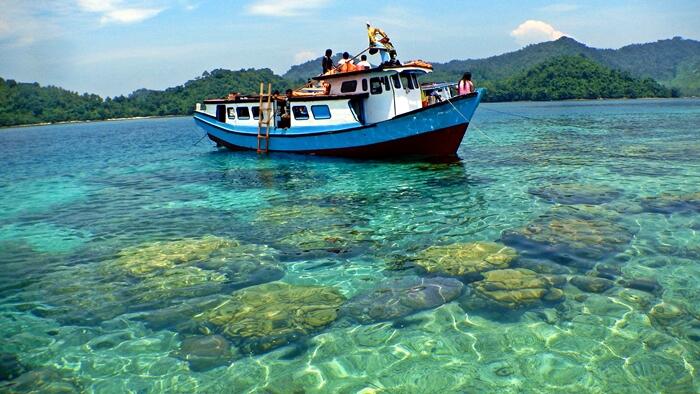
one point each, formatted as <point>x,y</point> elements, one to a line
<point>465,85</point>
<point>327,62</point>
<point>377,35</point>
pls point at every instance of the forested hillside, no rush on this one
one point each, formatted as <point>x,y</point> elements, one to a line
<point>572,77</point>
<point>26,103</point>
<point>673,62</point>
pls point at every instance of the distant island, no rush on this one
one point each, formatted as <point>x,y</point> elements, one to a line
<point>555,70</point>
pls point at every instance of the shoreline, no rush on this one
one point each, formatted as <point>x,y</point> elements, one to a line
<point>483,102</point>
<point>90,121</point>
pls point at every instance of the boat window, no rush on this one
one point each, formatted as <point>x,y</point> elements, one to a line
<point>375,85</point>
<point>256,112</point>
<point>387,87</point>
<point>321,112</point>
<point>364,84</point>
<point>243,112</point>
<point>231,113</point>
<point>203,107</point>
<point>415,81</point>
<point>348,87</point>
<point>221,113</point>
<point>300,112</point>
<point>407,81</point>
<point>397,82</point>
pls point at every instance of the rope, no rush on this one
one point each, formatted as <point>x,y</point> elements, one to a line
<point>200,140</point>
<point>474,127</point>
<point>551,122</point>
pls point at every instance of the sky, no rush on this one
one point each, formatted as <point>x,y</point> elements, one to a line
<point>113,47</point>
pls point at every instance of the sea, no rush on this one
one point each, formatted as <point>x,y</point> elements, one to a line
<point>559,253</point>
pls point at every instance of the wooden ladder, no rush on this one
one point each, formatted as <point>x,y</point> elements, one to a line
<point>264,118</point>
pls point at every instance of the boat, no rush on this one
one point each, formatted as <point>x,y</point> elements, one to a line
<point>378,112</point>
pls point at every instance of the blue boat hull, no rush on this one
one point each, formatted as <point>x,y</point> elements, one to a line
<point>436,130</point>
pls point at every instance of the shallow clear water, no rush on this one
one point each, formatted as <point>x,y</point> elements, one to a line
<point>121,241</point>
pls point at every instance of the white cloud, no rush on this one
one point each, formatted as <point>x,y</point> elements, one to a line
<point>285,8</point>
<point>304,56</point>
<point>116,11</point>
<point>531,31</point>
<point>130,15</point>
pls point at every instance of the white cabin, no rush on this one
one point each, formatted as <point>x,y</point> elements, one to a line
<point>354,99</point>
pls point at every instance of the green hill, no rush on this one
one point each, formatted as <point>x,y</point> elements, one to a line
<point>24,103</point>
<point>27,103</point>
<point>572,77</point>
<point>667,61</point>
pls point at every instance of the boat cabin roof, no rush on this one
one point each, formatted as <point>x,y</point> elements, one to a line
<point>310,97</point>
<point>398,69</point>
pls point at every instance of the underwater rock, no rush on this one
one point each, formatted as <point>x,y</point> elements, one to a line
<point>543,266</point>
<point>554,294</point>
<point>396,298</point>
<point>10,367</point>
<point>79,299</point>
<point>591,284</point>
<point>42,380</point>
<point>246,265</point>
<point>675,320</point>
<point>549,315</point>
<point>278,178</point>
<point>179,316</point>
<point>606,272</point>
<point>266,316</point>
<point>650,285</point>
<point>640,299</point>
<point>673,203</point>
<point>576,193</point>
<point>335,240</point>
<point>463,259</point>
<point>513,288</point>
<point>205,352</point>
<point>659,372</point>
<point>177,282</point>
<point>181,272</point>
<point>577,234</point>
<point>150,257</point>
<point>666,313</point>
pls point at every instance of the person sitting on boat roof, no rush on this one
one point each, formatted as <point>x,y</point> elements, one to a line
<point>363,64</point>
<point>373,33</point>
<point>346,64</point>
<point>327,62</point>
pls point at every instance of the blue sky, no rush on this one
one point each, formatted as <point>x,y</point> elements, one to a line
<point>113,47</point>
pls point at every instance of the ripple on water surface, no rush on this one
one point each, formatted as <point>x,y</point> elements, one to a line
<point>560,255</point>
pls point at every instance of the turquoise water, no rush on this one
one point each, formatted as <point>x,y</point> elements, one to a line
<point>133,261</point>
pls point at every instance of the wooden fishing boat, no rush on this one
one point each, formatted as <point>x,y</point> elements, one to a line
<point>376,112</point>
